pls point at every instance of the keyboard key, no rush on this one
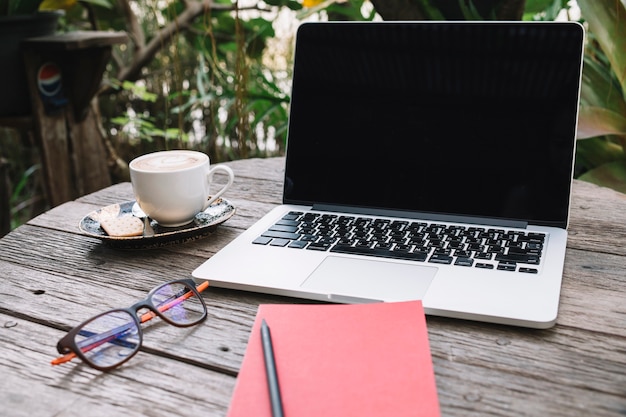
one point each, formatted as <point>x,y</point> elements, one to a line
<point>516,257</point>
<point>321,246</point>
<point>357,250</point>
<point>518,250</point>
<point>283,228</point>
<point>438,258</point>
<point>495,249</point>
<point>285,222</point>
<point>464,261</point>
<point>279,242</point>
<point>298,244</point>
<point>383,245</point>
<point>455,244</point>
<point>445,244</point>
<point>262,240</point>
<point>310,216</point>
<point>363,244</point>
<point>292,215</point>
<point>503,266</point>
<point>475,246</point>
<point>536,237</point>
<point>281,235</point>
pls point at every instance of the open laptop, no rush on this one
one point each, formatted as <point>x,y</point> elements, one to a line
<point>425,160</point>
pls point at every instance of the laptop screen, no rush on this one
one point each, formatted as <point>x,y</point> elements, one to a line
<point>456,118</point>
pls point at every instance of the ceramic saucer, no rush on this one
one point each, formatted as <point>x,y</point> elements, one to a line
<point>203,224</point>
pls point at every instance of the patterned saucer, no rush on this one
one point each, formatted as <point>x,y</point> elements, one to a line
<point>202,225</point>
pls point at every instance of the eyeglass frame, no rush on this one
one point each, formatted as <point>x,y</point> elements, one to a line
<point>68,347</point>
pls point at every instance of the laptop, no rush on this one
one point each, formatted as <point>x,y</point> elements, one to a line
<point>425,160</point>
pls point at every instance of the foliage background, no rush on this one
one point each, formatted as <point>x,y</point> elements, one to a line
<point>215,76</point>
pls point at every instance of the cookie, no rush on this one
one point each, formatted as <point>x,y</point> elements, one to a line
<point>125,226</point>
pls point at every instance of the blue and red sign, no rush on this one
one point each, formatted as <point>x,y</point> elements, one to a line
<point>50,86</point>
<point>49,80</point>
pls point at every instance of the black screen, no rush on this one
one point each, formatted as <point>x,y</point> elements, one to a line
<point>472,119</point>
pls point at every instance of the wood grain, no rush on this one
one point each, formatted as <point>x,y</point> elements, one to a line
<point>30,386</point>
<point>53,277</point>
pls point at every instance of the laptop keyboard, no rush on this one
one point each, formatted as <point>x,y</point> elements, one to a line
<point>465,246</point>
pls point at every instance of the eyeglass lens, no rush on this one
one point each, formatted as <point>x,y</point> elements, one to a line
<point>109,339</point>
<point>113,337</point>
<point>178,303</point>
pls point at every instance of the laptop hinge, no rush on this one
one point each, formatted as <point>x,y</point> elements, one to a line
<point>449,218</point>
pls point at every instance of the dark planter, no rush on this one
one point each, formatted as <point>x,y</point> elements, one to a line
<point>14,95</point>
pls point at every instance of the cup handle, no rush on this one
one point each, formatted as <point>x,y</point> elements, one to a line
<point>231,177</point>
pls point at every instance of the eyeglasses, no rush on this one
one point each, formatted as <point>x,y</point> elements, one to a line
<point>109,339</point>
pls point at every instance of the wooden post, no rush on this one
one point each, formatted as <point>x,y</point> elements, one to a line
<point>64,73</point>
<point>5,196</point>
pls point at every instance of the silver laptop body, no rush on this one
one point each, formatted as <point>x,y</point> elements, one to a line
<point>425,160</point>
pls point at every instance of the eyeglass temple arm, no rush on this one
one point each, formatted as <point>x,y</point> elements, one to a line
<point>110,335</point>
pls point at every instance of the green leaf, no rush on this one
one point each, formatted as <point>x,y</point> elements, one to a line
<point>432,12</point>
<point>593,152</point>
<point>607,22</point>
<point>537,6</point>
<point>228,47</point>
<point>16,7</point>
<point>294,5</point>
<point>596,121</point>
<point>469,11</point>
<point>599,85</point>
<point>102,3</point>
<point>291,4</point>
<point>140,91</point>
<point>22,183</point>
<point>120,120</point>
<point>612,175</point>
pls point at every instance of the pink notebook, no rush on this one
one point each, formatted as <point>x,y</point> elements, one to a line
<point>341,360</point>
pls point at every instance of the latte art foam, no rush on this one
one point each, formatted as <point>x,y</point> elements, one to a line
<point>167,162</point>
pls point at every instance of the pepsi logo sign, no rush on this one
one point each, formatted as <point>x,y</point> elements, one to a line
<point>49,79</point>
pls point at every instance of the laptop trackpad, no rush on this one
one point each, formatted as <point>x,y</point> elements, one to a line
<point>370,279</point>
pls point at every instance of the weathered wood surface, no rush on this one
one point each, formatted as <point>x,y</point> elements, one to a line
<point>53,277</point>
<point>70,138</point>
<point>76,40</point>
<point>5,197</point>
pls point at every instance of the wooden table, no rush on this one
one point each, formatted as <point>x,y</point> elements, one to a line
<point>53,277</point>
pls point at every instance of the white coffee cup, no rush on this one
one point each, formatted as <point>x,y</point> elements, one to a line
<point>171,187</point>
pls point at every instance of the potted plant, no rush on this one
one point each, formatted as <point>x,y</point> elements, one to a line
<point>19,19</point>
<point>602,117</point>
